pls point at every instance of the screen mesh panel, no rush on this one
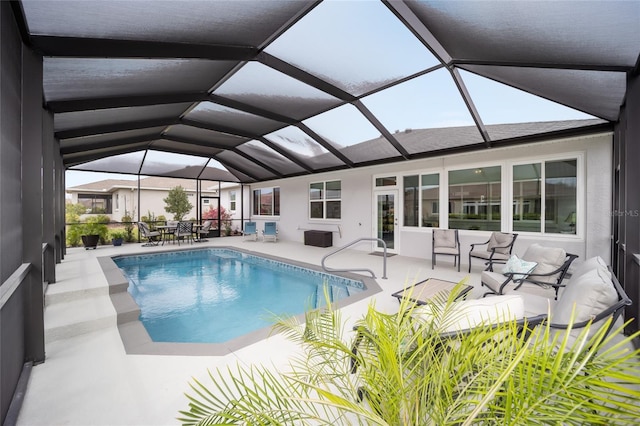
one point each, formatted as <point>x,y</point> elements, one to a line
<point>79,119</point>
<point>305,86</point>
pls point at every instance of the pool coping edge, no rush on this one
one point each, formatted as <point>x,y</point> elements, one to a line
<point>136,339</point>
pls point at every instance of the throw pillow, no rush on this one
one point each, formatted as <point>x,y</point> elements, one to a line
<point>521,268</point>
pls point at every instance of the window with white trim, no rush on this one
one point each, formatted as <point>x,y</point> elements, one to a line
<point>325,200</point>
<point>475,197</point>
<point>266,202</point>
<point>421,200</point>
<point>545,197</point>
<point>232,200</point>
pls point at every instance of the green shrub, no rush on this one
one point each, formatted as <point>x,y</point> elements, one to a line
<point>128,227</point>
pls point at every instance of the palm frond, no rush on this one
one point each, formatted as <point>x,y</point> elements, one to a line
<point>405,371</point>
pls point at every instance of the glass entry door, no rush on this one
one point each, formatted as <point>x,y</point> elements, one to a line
<point>387,219</point>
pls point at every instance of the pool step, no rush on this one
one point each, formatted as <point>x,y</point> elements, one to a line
<point>76,315</point>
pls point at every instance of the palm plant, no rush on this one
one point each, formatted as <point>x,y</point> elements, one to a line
<point>407,372</point>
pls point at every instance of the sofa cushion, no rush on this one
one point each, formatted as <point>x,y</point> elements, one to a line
<point>548,259</point>
<point>519,267</point>
<point>588,265</point>
<point>444,238</point>
<point>499,240</point>
<point>591,293</point>
<point>466,314</point>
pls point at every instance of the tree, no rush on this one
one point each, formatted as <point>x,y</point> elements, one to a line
<point>408,373</point>
<point>177,203</point>
<point>212,214</point>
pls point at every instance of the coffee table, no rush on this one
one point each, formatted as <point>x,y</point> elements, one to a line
<point>426,290</point>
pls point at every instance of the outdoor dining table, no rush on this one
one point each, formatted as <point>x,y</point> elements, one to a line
<point>165,231</point>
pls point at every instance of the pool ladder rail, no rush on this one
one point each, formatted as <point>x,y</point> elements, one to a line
<point>359,240</point>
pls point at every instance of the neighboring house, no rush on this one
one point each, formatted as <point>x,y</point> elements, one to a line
<point>118,197</point>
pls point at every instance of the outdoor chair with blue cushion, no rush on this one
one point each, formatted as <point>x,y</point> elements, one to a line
<point>445,241</point>
<point>270,232</point>
<point>541,271</point>
<point>498,249</point>
<point>184,231</point>
<point>152,237</point>
<point>250,231</point>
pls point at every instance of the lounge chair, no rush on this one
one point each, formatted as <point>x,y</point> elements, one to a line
<point>184,231</point>
<point>250,231</point>
<point>204,230</point>
<point>541,270</point>
<point>498,249</point>
<point>270,232</point>
<point>445,241</point>
<point>152,237</point>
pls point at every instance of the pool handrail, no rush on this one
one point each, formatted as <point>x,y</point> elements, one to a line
<point>373,275</point>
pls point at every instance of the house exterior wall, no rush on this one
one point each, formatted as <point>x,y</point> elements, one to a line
<point>358,215</point>
<point>125,200</point>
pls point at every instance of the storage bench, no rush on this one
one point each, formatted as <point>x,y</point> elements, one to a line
<point>318,238</point>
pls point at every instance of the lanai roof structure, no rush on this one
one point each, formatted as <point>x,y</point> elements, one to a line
<point>254,91</point>
<point>250,91</point>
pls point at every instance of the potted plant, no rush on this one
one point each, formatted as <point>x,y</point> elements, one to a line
<point>117,237</point>
<point>94,230</point>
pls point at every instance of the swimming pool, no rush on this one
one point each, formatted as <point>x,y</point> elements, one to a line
<point>215,295</point>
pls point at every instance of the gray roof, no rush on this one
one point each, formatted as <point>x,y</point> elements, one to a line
<point>254,90</point>
<point>152,182</point>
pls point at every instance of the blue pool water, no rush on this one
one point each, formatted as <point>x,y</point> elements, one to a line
<point>215,295</point>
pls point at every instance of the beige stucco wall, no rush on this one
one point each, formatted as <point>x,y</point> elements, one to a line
<point>593,231</point>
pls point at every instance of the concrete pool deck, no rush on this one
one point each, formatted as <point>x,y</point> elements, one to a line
<point>89,379</point>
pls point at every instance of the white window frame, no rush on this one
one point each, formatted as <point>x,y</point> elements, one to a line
<point>324,199</point>
<point>232,201</point>
<point>400,186</point>
<point>580,192</point>
<point>273,209</point>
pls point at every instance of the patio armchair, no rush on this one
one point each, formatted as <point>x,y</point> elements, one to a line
<point>250,231</point>
<point>445,241</point>
<point>541,270</point>
<point>152,237</point>
<point>590,297</point>
<point>203,230</point>
<point>498,249</point>
<point>270,232</point>
<point>184,231</point>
